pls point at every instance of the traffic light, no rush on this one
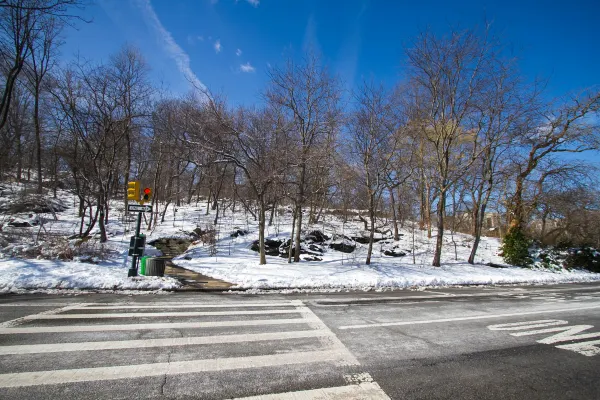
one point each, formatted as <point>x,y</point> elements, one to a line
<point>133,190</point>
<point>147,194</point>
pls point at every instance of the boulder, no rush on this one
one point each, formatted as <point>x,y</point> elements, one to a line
<point>343,244</point>
<point>316,237</point>
<point>238,233</point>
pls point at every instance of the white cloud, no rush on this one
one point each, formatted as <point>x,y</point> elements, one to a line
<point>218,46</point>
<point>238,52</point>
<point>169,44</point>
<point>247,67</point>
<point>255,3</point>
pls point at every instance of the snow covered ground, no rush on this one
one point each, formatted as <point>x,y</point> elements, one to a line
<point>236,263</point>
<point>97,267</point>
<point>232,260</point>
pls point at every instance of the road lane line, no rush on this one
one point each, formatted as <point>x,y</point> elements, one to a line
<point>362,391</point>
<point>315,322</point>
<point>135,327</point>
<point>19,321</point>
<point>36,378</point>
<point>435,321</point>
<point>166,342</point>
<point>158,315</point>
<point>110,306</point>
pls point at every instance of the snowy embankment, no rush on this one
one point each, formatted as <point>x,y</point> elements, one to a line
<point>351,273</point>
<point>29,261</point>
<point>25,274</point>
<point>235,262</point>
<point>36,257</point>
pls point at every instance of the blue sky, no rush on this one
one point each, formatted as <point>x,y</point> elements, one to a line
<point>228,45</point>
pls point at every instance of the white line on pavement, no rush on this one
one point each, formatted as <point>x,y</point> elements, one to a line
<point>315,322</point>
<point>161,314</point>
<point>135,327</point>
<point>363,391</point>
<point>136,344</point>
<point>169,368</point>
<point>590,349</point>
<point>18,321</point>
<point>435,321</point>
<point>111,306</point>
<point>34,304</point>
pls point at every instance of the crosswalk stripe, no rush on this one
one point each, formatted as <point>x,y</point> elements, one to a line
<point>22,379</point>
<point>363,391</point>
<point>135,327</point>
<point>160,314</point>
<point>133,344</point>
<point>109,306</point>
<point>316,323</point>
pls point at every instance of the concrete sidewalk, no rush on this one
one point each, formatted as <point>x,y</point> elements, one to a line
<point>193,281</point>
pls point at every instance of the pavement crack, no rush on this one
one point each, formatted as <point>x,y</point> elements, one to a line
<point>164,377</point>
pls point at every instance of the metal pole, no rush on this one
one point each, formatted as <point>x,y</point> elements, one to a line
<point>134,259</point>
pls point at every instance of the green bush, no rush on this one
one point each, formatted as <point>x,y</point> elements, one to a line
<point>515,248</point>
<point>585,257</point>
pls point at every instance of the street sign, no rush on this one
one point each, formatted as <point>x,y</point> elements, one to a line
<point>139,208</point>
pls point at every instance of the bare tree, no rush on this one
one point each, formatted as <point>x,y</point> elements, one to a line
<point>567,128</point>
<point>309,98</point>
<point>373,126</point>
<point>42,47</point>
<point>20,22</point>
<point>448,74</point>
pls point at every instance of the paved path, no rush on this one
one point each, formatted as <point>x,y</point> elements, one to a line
<point>510,343</point>
<point>193,281</point>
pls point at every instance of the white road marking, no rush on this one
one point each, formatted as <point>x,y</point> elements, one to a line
<point>34,304</point>
<point>135,327</point>
<point>110,306</point>
<point>589,349</point>
<point>18,321</point>
<point>158,315</point>
<point>136,344</point>
<point>315,322</point>
<point>363,391</point>
<point>566,334</point>
<point>518,326</point>
<point>170,368</point>
<point>435,321</point>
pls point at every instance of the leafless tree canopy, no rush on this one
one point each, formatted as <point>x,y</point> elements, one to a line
<point>463,143</point>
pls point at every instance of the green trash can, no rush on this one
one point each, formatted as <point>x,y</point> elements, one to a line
<point>143,265</point>
<point>155,266</point>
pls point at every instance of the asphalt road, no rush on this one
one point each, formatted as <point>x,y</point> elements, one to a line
<point>462,343</point>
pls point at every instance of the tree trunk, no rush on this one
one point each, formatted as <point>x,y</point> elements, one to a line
<point>101,225</point>
<point>437,257</point>
<point>298,233</point>
<point>371,228</point>
<point>299,204</point>
<point>428,211</point>
<point>38,137</point>
<point>261,230</point>
<point>272,213</point>
<point>394,215</point>
<point>292,236</point>
<point>477,234</point>
<point>517,206</point>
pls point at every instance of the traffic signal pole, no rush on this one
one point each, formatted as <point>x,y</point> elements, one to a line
<point>137,243</point>
<point>134,259</point>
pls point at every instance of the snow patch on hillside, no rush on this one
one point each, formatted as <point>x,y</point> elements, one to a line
<point>27,263</point>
